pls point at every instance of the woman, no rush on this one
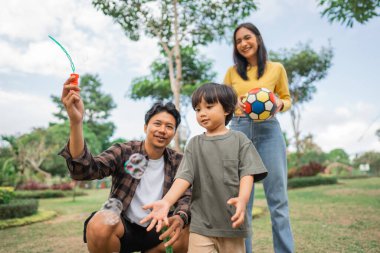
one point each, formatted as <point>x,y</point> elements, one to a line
<point>252,70</point>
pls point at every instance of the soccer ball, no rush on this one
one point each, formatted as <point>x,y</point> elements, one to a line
<point>260,104</point>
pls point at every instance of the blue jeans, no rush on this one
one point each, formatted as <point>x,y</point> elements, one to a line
<point>270,144</point>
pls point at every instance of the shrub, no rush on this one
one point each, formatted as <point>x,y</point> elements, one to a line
<point>62,186</point>
<point>292,172</point>
<point>310,169</point>
<point>310,181</point>
<point>46,194</point>
<point>18,208</point>
<point>6,194</point>
<point>32,185</point>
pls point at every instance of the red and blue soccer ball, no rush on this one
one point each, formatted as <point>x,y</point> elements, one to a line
<point>260,104</point>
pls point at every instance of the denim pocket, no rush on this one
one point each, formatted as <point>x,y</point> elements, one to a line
<point>231,172</point>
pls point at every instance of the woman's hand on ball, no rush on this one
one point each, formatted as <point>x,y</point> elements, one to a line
<point>240,104</point>
<point>279,104</point>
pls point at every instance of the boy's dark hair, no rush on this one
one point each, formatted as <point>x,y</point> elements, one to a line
<point>158,107</point>
<point>241,62</point>
<point>213,93</point>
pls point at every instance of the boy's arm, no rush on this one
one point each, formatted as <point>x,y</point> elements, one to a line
<point>161,208</point>
<point>240,203</point>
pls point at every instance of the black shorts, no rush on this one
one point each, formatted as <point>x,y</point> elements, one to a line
<point>135,237</point>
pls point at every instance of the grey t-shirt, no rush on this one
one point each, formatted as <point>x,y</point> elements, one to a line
<point>214,166</point>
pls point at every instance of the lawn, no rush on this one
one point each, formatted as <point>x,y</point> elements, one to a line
<point>335,218</point>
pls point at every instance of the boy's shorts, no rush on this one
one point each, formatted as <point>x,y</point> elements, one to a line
<point>201,243</point>
<point>135,237</point>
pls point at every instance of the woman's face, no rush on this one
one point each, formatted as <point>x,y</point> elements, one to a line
<point>246,43</point>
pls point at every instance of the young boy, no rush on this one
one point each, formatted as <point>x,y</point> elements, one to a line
<point>220,165</point>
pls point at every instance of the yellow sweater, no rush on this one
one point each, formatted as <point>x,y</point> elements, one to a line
<point>274,79</point>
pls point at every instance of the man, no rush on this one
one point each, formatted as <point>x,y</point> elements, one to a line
<point>156,175</point>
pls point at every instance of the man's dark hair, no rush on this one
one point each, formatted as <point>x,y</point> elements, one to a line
<point>213,93</point>
<point>241,62</point>
<point>160,107</point>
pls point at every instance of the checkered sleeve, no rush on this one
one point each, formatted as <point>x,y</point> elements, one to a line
<point>89,167</point>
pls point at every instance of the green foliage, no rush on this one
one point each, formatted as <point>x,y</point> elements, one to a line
<point>8,170</point>
<point>39,216</point>
<point>196,70</point>
<point>199,22</point>
<point>57,136</point>
<point>338,155</point>
<point>348,11</point>
<point>372,158</point>
<point>305,158</point>
<point>6,194</point>
<point>304,66</point>
<point>98,108</point>
<point>298,182</point>
<point>118,140</point>
<point>18,208</point>
<point>35,153</point>
<point>46,194</point>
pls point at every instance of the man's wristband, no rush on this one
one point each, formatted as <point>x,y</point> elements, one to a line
<point>184,217</point>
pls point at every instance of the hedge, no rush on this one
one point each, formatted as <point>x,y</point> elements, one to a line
<point>41,215</point>
<point>298,182</point>
<point>18,208</point>
<point>6,194</point>
<point>46,194</point>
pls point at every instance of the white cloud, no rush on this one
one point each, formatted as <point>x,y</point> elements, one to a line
<point>92,39</point>
<point>20,112</point>
<point>347,126</point>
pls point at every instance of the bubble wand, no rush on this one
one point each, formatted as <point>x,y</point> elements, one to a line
<point>168,249</point>
<point>76,76</point>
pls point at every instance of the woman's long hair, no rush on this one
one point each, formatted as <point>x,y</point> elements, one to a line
<point>241,62</point>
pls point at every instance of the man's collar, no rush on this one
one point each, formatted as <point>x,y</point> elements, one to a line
<point>142,150</point>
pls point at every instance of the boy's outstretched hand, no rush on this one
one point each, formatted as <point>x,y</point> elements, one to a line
<point>240,205</point>
<point>158,215</point>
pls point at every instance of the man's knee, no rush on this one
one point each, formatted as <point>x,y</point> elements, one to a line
<point>98,233</point>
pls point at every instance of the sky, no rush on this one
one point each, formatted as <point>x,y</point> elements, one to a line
<point>344,112</point>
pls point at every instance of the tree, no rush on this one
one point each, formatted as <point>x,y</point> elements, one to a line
<point>304,68</point>
<point>8,170</point>
<point>29,151</point>
<point>309,152</point>
<point>196,70</point>
<point>338,155</point>
<point>98,108</point>
<point>372,158</point>
<point>56,138</point>
<point>348,11</point>
<point>176,24</point>
<point>34,154</point>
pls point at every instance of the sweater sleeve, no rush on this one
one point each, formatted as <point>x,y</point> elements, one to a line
<point>282,89</point>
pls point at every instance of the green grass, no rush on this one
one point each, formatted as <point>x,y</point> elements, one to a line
<point>334,218</point>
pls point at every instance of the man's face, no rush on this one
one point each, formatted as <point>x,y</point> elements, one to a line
<point>160,130</point>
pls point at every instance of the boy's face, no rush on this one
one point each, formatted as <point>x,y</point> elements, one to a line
<point>160,130</point>
<point>211,116</point>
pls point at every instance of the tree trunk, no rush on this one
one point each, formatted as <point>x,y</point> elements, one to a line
<point>177,84</point>
<point>295,117</point>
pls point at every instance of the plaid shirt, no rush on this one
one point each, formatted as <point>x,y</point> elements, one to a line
<point>111,163</point>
